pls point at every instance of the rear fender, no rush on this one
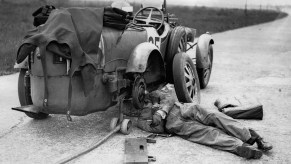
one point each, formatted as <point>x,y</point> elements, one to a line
<point>202,60</point>
<point>139,57</point>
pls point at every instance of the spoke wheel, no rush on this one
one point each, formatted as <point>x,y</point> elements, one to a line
<point>177,43</point>
<point>138,92</point>
<point>24,95</point>
<point>204,73</point>
<point>186,81</point>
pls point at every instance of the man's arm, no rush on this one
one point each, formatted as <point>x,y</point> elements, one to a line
<point>165,104</point>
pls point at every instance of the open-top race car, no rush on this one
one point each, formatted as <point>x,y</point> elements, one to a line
<point>83,60</point>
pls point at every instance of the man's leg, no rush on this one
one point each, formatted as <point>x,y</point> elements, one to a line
<point>196,132</point>
<point>227,124</point>
<point>216,119</point>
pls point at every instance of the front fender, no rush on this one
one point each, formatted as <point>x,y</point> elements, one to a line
<point>202,60</point>
<point>138,59</point>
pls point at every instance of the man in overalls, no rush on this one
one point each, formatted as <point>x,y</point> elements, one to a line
<point>164,114</point>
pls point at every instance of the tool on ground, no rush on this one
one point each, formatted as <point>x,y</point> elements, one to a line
<point>116,124</point>
<point>154,135</point>
<point>136,152</point>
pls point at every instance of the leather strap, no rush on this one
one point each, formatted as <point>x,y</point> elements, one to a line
<point>69,118</point>
<point>44,68</point>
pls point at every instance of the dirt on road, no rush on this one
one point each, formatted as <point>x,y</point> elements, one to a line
<point>253,60</point>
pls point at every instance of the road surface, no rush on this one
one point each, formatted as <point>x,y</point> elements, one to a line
<point>254,60</point>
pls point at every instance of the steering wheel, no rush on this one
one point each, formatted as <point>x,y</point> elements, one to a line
<point>149,20</point>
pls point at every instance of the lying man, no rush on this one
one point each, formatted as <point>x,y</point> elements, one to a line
<point>164,114</point>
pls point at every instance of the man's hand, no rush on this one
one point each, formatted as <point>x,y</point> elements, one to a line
<point>157,119</point>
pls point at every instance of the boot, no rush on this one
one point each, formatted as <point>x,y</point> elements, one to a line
<point>249,152</point>
<point>262,145</point>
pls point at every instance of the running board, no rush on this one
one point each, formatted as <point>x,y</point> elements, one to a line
<point>28,109</point>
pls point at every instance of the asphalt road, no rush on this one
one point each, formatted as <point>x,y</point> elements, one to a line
<point>253,60</point>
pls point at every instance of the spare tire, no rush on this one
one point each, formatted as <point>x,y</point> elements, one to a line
<point>177,43</point>
<point>186,80</point>
<point>25,97</point>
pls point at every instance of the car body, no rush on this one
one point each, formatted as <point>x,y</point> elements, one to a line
<point>141,58</point>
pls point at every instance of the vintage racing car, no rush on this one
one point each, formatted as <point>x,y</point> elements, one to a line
<point>149,52</point>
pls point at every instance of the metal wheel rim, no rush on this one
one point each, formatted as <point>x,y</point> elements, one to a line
<point>207,71</point>
<point>140,89</point>
<point>141,92</point>
<point>191,84</point>
<point>181,47</point>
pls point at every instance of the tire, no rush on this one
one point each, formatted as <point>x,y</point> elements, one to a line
<point>25,97</point>
<point>204,73</point>
<point>184,73</point>
<point>126,126</point>
<point>113,123</point>
<point>177,43</point>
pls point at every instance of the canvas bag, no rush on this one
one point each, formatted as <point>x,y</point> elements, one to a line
<point>240,107</point>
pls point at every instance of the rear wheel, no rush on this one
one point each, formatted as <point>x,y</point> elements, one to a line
<point>186,81</point>
<point>204,73</point>
<point>24,94</point>
<point>177,43</point>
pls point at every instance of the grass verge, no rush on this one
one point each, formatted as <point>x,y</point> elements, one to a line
<point>16,20</point>
<point>216,20</point>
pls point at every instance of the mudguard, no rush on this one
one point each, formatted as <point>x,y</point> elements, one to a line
<point>138,59</point>
<point>202,50</point>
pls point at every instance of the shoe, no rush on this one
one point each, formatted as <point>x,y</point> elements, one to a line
<point>248,152</point>
<point>263,145</point>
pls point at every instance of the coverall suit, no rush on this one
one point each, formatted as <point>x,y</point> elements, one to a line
<point>194,123</point>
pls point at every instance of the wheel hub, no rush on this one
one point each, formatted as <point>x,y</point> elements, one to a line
<point>138,92</point>
<point>190,81</point>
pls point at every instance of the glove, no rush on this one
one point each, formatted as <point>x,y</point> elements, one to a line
<point>157,119</point>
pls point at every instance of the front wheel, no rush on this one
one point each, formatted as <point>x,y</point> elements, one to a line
<point>177,43</point>
<point>204,73</point>
<point>24,94</point>
<point>186,80</point>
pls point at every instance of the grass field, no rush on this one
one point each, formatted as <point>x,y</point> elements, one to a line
<point>16,20</point>
<point>216,20</point>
